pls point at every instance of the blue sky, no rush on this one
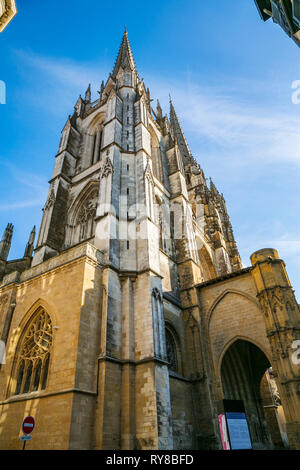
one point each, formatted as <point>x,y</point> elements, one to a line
<point>230,76</point>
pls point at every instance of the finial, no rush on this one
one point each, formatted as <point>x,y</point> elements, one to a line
<point>30,244</point>
<point>101,90</point>
<point>88,94</point>
<point>5,243</point>
<point>158,110</point>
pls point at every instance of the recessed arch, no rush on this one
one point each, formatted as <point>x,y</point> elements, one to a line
<point>242,366</point>
<point>224,294</point>
<point>95,122</point>
<point>39,303</point>
<point>32,352</point>
<point>173,348</point>
<point>206,263</point>
<point>93,140</point>
<point>81,215</point>
<point>92,184</point>
<point>240,338</point>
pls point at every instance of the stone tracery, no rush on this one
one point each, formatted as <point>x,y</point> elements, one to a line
<point>34,354</point>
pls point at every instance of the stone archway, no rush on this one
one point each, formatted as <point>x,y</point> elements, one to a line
<point>242,369</point>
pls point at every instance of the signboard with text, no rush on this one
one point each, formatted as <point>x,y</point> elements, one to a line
<point>238,431</point>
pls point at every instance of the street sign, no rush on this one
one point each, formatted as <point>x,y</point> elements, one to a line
<point>28,425</point>
<point>26,438</point>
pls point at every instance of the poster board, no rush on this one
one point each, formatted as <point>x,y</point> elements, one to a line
<point>238,431</point>
<point>237,425</point>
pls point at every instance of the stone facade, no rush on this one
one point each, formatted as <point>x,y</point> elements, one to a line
<point>134,319</point>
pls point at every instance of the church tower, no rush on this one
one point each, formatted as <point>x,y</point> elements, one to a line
<point>129,232</point>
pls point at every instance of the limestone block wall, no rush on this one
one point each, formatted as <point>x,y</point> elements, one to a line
<point>182,414</point>
<point>52,417</point>
<point>231,312</point>
<point>71,295</point>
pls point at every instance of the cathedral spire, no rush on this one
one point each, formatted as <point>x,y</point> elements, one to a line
<point>5,243</point>
<point>178,132</point>
<point>125,57</point>
<point>30,244</point>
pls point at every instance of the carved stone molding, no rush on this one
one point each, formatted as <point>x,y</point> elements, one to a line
<point>107,168</point>
<point>50,201</point>
<point>8,11</point>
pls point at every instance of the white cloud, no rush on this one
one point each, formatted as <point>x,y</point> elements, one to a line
<point>59,81</point>
<point>240,118</point>
<point>242,130</point>
<point>22,180</point>
<point>62,70</point>
<point>21,205</point>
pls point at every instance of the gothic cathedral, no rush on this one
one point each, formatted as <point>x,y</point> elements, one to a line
<point>133,321</point>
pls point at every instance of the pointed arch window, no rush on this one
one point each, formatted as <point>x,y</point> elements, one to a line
<point>171,351</point>
<point>86,216</point>
<point>33,356</point>
<point>81,219</point>
<point>92,143</point>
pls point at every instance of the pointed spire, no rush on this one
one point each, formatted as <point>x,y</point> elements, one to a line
<point>125,57</point>
<point>5,243</point>
<point>159,114</point>
<point>101,91</point>
<point>213,188</point>
<point>30,244</point>
<point>79,106</point>
<point>88,94</point>
<point>178,132</point>
<point>73,119</point>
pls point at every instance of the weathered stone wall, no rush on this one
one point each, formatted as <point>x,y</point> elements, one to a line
<point>52,415</point>
<point>231,312</point>
<point>182,414</point>
<point>70,293</point>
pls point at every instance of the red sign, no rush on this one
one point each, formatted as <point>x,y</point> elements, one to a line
<point>28,425</point>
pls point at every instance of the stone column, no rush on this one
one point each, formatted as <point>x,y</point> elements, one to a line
<point>128,372</point>
<point>282,319</point>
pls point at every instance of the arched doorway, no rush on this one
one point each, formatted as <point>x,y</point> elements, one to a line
<point>243,369</point>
